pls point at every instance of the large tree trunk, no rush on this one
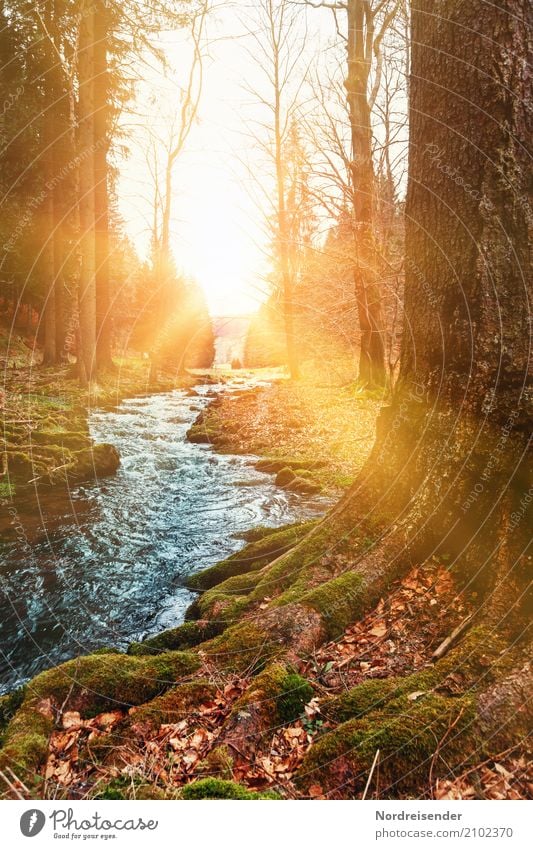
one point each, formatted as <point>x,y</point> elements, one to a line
<point>462,446</point>
<point>367,293</point>
<point>101,201</point>
<point>87,285</point>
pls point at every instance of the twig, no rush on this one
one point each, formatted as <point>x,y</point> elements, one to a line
<point>371,773</point>
<point>11,785</point>
<point>446,644</point>
<point>439,747</point>
<point>18,780</point>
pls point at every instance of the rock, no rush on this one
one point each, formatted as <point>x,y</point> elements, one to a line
<point>304,486</point>
<point>98,461</point>
<point>285,477</point>
<point>199,436</point>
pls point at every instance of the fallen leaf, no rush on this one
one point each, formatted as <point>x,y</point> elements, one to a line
<point>71,719</point>
<point>316,792</point>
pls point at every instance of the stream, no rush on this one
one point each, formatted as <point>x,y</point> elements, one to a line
<point>105,565</point>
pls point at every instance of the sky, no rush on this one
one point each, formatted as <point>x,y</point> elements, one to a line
<point>218,230</point>
<point>223,182</point>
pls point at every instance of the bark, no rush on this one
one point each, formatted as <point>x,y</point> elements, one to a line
<point>454,445</point>
<point>368,296</point>
<point>87,286</point>
<point>49,252</point>
<point>283,225</point>
<point>506,709</point>
<point>101,199</point>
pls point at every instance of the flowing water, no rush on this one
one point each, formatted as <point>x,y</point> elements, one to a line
<point>105,565</point>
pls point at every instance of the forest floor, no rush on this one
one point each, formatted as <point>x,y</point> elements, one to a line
<point>44,421</point>
<point>280,684</point>
<point>323,434</point>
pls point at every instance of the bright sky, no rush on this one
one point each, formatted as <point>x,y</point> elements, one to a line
<point>222,182</point>
<point>218,231</point>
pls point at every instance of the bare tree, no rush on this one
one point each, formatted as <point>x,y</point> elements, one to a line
<point>87,278</point>
<point>366,24</point>
<point>184,122</point>
<point>278,48</point>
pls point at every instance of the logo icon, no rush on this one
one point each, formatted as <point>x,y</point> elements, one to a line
<point>32,822</point>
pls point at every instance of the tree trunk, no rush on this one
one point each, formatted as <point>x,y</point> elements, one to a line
<point>455,442</point>
<point>49,234</point>
<point>283,227</point>
<point>101,201</point>
<point>368,296</point>
<point>87,285</point>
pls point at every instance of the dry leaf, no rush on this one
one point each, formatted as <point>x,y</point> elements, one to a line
<point>71,719</point>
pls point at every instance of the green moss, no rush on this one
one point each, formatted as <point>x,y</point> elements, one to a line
<point>98,682</point>
<point>173,705</point>
<point>7,490</point>
<point>474,661</point>
<point>65,438</point>
<point>88,684</point>
<point>242,648</point>
<point>339,601</point>
<point>296,692</point>
<point>278,692</point>
<point>273,466</point>
<point>25,743</point>
<point>252,557</point>
<point>9,704</point>
<point>125,787</point>
<point>186,636</point>
<point>219,763</point>
<point>294,571</point>
<point>99,459</point>
<point>215,788</point>
<point>226,599</point>
<point>260,532</point>
<point>358,701</point>
<point>407,735</point>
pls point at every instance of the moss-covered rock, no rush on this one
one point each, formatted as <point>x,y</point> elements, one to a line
<point>97,461</point>
<point>285,477</point>
<point>215,788</point>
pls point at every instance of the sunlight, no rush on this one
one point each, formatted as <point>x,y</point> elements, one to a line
<point>213,244</point>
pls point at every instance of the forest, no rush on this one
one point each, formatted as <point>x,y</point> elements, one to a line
<point>265,339</point>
